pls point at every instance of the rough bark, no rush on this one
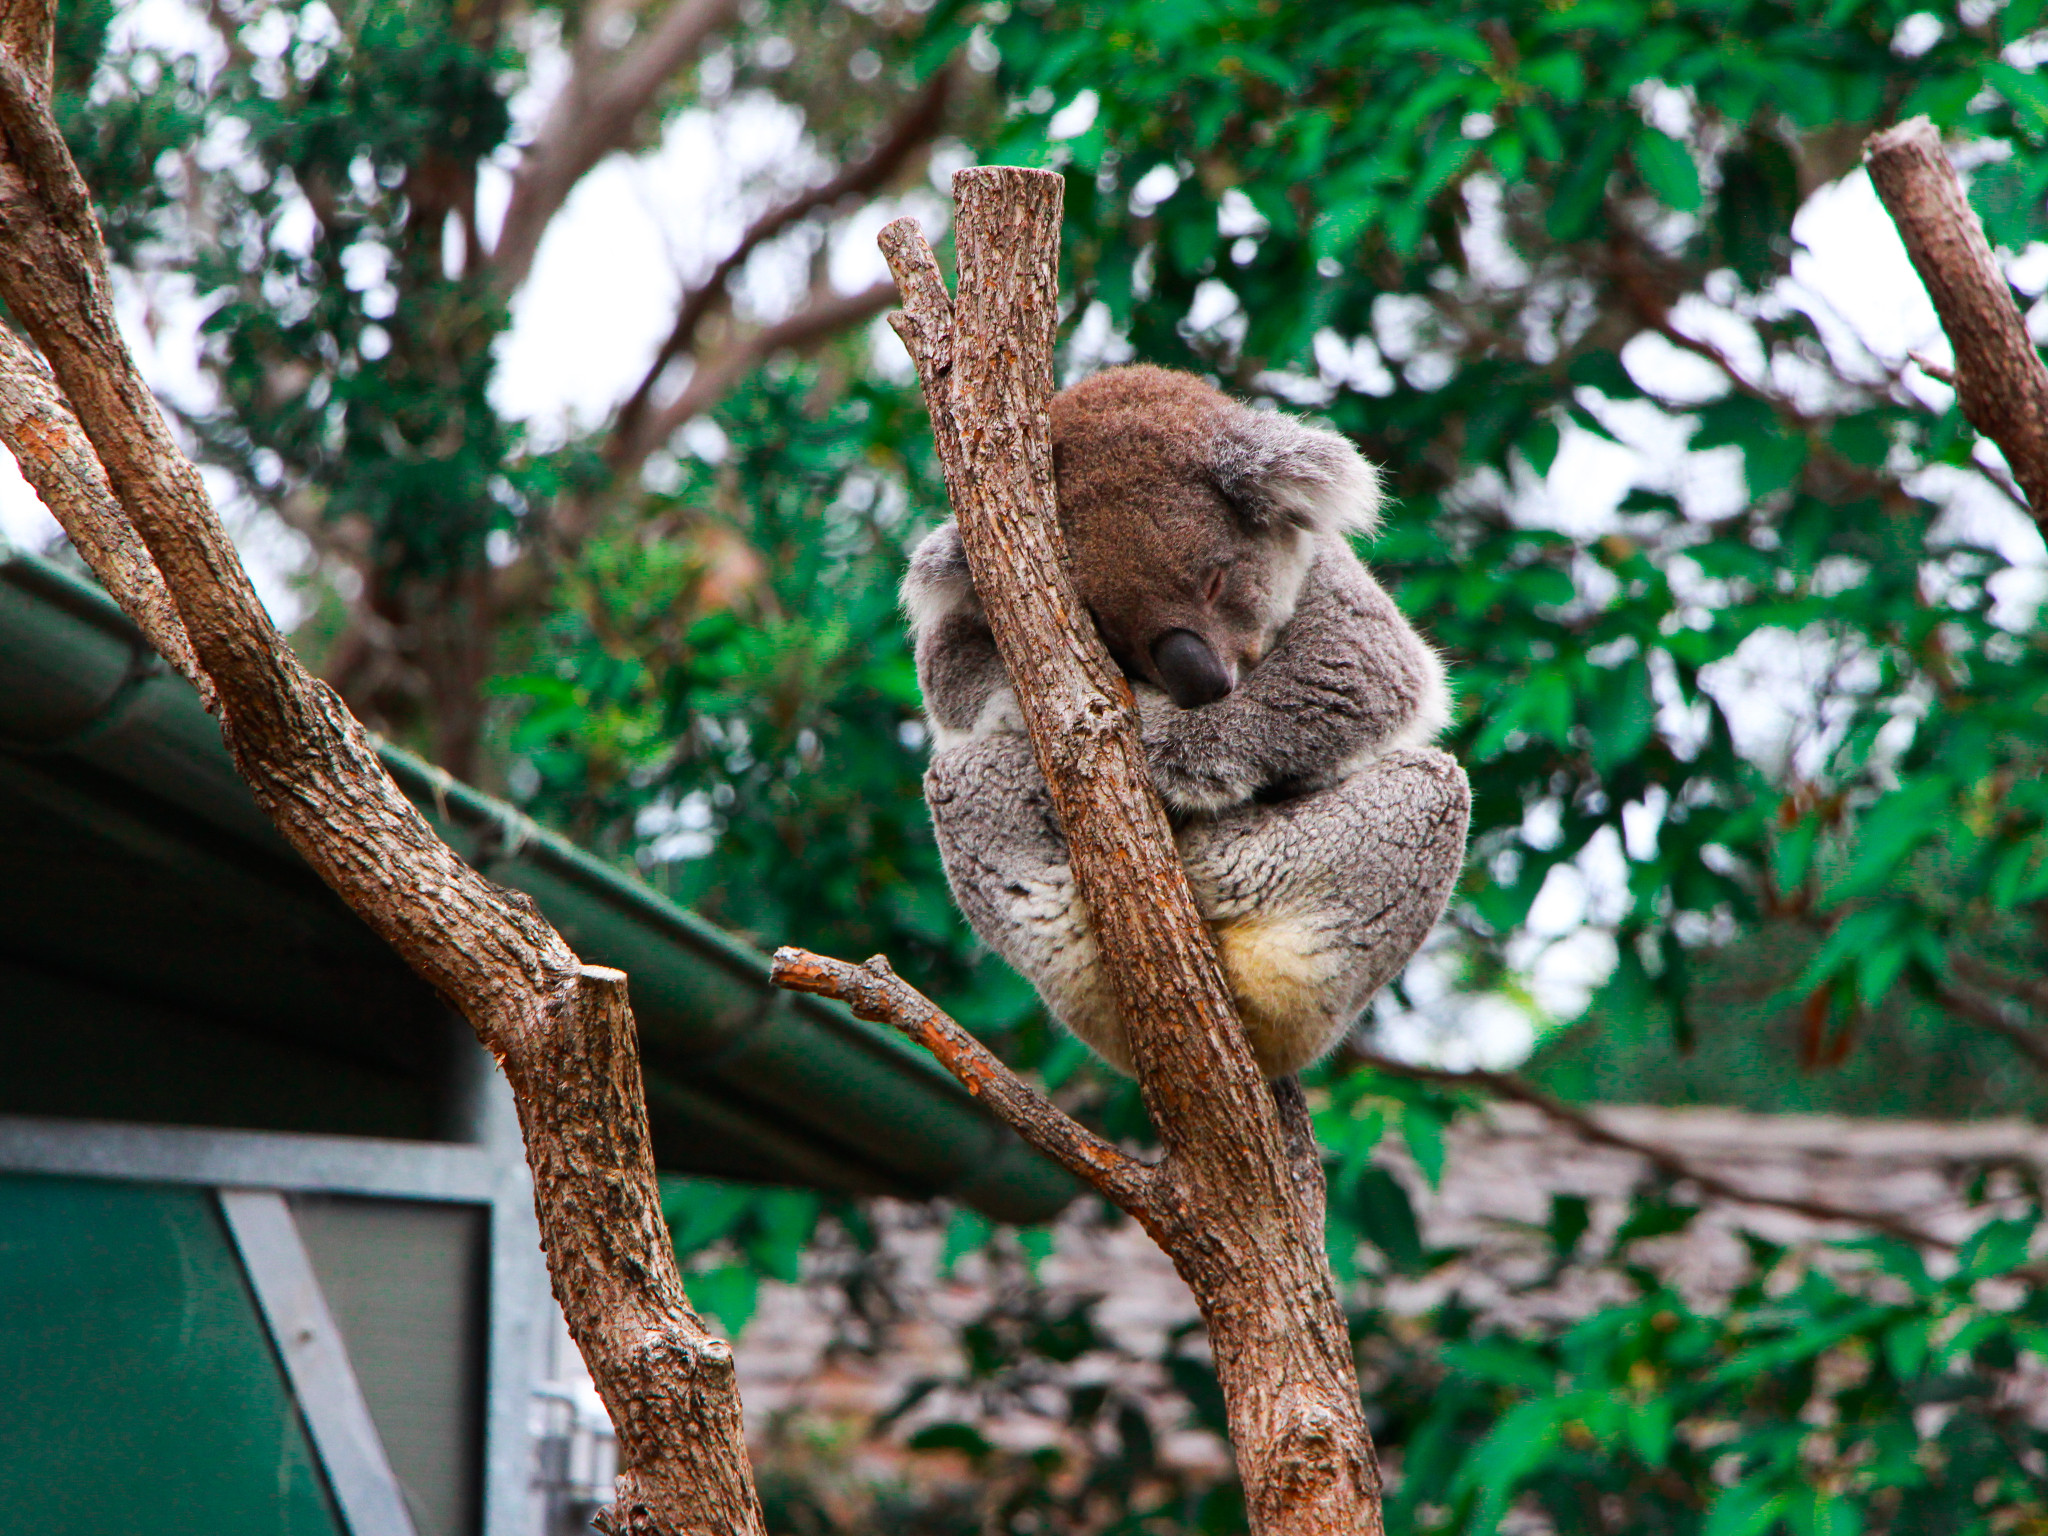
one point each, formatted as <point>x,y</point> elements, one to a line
<point>562,1030</point>
<point>1236,1202</point>
<point>2000,381</point>
<point>56,458</point>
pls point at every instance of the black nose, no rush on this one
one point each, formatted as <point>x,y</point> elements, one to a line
<point>1189,669</point>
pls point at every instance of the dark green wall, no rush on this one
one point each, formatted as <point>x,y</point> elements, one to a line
<point>138,1389</point>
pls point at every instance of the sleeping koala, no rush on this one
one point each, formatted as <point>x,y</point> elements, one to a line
<point>1287,710</point>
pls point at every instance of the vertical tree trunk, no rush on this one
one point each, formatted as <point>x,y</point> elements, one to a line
<point>1237,1203</point>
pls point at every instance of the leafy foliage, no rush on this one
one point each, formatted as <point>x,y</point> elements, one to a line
<point>1843,1391</point>
<point>1787,730</point>
<point>1478,236</point>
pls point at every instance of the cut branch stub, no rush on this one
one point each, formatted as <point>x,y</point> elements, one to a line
<point>563,1031</point>
<point>1999,377</point>
<point>1237,1201</point>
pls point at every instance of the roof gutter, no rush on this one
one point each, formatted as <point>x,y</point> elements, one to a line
<point>844,1103</point>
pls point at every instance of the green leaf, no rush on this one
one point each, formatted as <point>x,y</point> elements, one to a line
<point>1746,1509</point>
<point>1994,1248</point>
<point>1878,967</point>
<point>967,1232</point>
<point>786,1219</point>
<point>1906,1347</point>
<point>1773,463</point>
<point>701,1211</point>
<point>1503,1361</point>
<point>964,1438</point>
<point>1585,182</point>
<point>1888,833</point>
<point>1623,716</point>
<point>1760,1359</point>
<point>1860,931</point>
<point>1516,1447</point>
<point>729,1293</point>
<point>1667,168</point>
<point>1648,1427</point>
<point>1826,1515</point>
<point>2028,93</point>
<point>1654,1218</point>
<point>1792,853</point>
<point>1423,1129</point>
<point>1570,1216</point>
<point>1380,1208</point>
<point>1539,444</point>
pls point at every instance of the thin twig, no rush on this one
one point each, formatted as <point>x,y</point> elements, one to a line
<point>874,991</point>
<point>1980,973</point>
<point>1506,1085</point>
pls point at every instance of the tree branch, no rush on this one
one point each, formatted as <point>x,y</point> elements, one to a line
<point>2000,381</point>
<point>28,30</point>
<point>915,128</point>
<point>874,991</point>
<point>563,1031</point>
<point>1979,973</point>
<point>816,323</point>
<point>1506,1085</point>
<point>55,457</point>
<point>1985,1017</point>
<point>595,114</point>
<point>1239,1203</point>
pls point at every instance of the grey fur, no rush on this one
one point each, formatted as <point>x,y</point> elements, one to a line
<point>1320,831</point>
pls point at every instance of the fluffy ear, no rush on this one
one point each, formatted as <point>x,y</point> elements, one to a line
<point>1276,469</point>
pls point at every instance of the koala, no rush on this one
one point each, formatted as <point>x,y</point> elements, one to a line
<point>1286,707</point>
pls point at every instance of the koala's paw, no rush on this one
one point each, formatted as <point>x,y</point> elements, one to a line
<point>1202,792</point>
<point>1191,778</point>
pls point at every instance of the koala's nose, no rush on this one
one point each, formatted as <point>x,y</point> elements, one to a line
<point>1189,669</point>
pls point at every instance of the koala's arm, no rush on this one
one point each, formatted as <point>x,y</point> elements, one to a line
<point>1347,680</point>
<point>966,691</point>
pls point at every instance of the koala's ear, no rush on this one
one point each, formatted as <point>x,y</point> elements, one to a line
<point>1276,470</point>
<point>938,585</point>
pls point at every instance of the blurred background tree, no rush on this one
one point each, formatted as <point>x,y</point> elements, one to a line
<point>1744,620</point>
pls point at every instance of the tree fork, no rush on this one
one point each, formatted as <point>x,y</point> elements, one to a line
<point>1237,1201</point>
<point>136,510</point>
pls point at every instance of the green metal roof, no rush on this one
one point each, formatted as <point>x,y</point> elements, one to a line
<point>160,945</point>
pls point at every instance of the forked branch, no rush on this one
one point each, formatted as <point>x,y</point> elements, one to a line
<point>1237,1201</point>
<point>563,1030</point>
<point>874,991</point>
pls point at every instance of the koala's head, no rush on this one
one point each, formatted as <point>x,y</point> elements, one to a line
<point>1190,521</point>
